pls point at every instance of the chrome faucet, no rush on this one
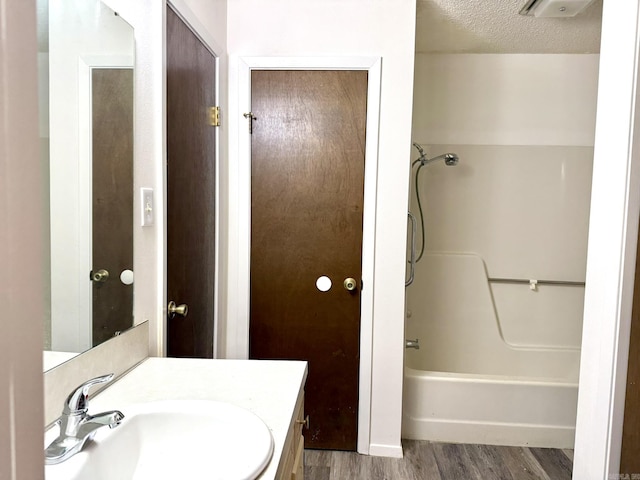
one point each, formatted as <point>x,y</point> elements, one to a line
<point>77,427</point>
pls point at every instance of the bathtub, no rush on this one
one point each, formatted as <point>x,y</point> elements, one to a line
<point>475,379</point>
<point>488,409</point>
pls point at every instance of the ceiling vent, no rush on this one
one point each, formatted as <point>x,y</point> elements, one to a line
<point>554,8</point>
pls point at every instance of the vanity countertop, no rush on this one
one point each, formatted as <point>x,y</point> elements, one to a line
<point>268,388</point>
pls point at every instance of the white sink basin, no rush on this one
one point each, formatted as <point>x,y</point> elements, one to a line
<point>174,440</point>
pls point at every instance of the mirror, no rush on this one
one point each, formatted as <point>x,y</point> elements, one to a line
<point>85,68</point>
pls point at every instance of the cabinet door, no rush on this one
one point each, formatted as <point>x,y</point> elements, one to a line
<point>291,465</point>
<point>298,464</point>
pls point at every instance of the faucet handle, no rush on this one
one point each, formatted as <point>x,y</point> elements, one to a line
<point>78,401</point>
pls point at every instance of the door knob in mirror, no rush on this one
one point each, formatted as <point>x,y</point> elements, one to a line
<point>99,276</point>
<point>173,309</point>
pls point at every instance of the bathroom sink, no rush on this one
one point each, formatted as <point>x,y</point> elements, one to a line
<point>174,439</point>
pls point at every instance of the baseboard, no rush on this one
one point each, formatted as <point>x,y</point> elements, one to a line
<point>488,433</point>
<point>393,451</point>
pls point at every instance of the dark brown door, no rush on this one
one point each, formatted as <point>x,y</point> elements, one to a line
<point>307,184</point>
<point>191,147</point>
<point>112,193</point>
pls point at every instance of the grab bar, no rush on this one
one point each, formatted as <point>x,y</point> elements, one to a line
<point>412,254</point>
<point>412,344</point>
<point>523,281</point>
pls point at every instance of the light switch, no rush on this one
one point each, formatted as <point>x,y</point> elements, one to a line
<point>146,206</point>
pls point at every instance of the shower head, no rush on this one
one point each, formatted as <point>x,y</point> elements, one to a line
<point>450,159</point>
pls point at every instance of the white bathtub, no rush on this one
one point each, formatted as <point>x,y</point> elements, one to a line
<point>488,409</point>
<point>468,382</point>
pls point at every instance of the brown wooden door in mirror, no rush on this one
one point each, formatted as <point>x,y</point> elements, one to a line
<point>307,185</point>
<point>112,193</point>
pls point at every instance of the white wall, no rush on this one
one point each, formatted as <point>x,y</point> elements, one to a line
<point>81,34</point>
<point>23,241</point>
<point>341,28</point>
<point>499,99</point>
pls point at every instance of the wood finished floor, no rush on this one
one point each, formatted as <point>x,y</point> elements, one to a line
<point>442,461</point>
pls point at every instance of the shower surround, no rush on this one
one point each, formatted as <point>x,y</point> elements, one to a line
<point>498,297</point>
<point>466,383</point>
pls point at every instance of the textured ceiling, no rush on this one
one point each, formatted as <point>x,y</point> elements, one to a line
<point>494,26</point>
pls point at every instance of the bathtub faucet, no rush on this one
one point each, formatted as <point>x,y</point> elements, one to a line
<point>412,344</point>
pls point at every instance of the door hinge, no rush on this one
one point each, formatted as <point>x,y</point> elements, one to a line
<point>214,116</point>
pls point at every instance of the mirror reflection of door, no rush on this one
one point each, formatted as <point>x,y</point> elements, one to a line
<point>112,224</point>
<point>76,37</point>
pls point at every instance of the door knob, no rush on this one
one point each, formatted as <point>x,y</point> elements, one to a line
<point>100,276</point>
<point>173,309</point>
<point>350,284</point>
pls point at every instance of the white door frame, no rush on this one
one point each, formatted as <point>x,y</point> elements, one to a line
<point>238,330</point>
<point>613,233</point>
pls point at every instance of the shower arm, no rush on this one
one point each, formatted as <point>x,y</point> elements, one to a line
<point>412,254</point>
